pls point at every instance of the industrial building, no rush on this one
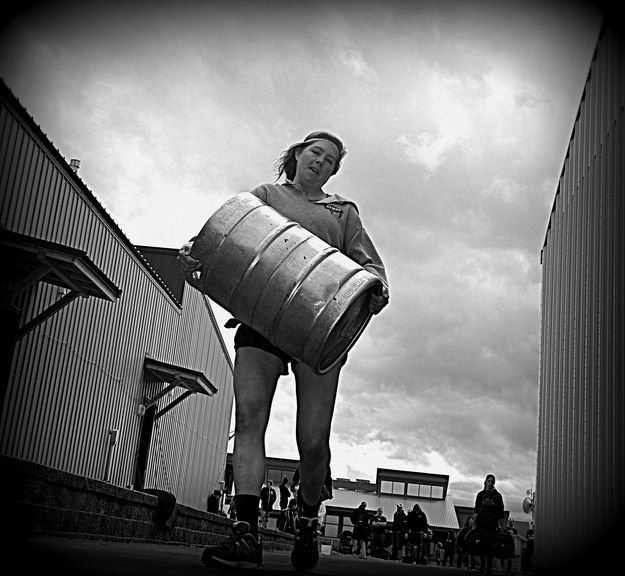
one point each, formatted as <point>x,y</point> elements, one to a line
<point>581,430</point>
<point>112,367</point>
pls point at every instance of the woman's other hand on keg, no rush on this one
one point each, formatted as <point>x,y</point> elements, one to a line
<point>186,263</point>
<point>379,298</point>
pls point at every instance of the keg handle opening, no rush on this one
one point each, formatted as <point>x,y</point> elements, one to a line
<point>195,279</point>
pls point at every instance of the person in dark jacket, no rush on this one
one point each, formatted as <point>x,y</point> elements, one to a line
<point>212,502</point>
<point>488,514</point>
<point>527,558</point>
<point>399,529</point>
<point>362,528</point>
<point>378,534</point>
<point>450,548</point>
<point>417,528</point>
<point>464,553</point>
<point>267,500</point>
<point>285,496</point>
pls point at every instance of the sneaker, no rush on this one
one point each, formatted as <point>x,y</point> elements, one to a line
<point>241,550</point>
<point>305,554</point>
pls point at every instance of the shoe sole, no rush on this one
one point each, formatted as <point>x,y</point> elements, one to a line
<point>209,560</point>
<point>238,564</point>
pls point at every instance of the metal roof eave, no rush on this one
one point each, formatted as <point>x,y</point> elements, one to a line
<point>31,260</point>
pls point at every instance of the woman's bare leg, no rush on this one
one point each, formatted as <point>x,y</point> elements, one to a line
<point>316,396</point>
<point>256,374</point>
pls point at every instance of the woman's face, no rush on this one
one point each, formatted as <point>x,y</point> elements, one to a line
<point>315,163</point>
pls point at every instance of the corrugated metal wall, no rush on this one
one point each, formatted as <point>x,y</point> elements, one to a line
<point>80,373</point>
<point>580,474</point>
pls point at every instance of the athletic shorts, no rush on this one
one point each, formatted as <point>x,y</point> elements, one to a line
<point>245,336</point>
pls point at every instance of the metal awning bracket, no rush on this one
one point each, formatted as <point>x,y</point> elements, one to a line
<point>162,393</point>
<point>49,311</point>
<point>172,404</point>
<point>25,283</point>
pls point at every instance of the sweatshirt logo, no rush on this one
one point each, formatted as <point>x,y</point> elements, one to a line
<point>334,209</point>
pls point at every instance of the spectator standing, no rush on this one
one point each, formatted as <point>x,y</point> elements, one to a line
<point>439,551</point>
<point>378,533</point>
<point>212,502</point>
<point>417,528</point>
<point>290,526</point>
<point>267,500</point>
<point>232,510</point>
<point>488,514</point>
<point>428,548</point>
<point>321,527</point>
<point>362,529</point>
<point>464,554</point>
<point>527,559</point>
<point>285,495</point>
<point>450,548</point>
<point>506,563</point>
<point>399,529</point>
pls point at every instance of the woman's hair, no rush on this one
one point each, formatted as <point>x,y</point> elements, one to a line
<point>288,162</point>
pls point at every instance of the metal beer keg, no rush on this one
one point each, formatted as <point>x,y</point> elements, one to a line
<point>303,295</point>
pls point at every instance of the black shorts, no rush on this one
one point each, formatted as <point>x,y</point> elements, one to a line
<point>245,336</point>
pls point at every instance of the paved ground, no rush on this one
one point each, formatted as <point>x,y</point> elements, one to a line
<point>74,557</point>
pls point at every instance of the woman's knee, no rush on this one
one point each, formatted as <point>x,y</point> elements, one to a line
<point>315,450</point>
<point>250,421</point>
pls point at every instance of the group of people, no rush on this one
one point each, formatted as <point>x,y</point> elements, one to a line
<point>411,536</point>
<point>287,518</point>
<point>488,518</point>
<point>408,532</point>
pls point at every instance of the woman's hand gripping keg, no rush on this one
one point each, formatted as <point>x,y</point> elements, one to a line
<point>189,266</point>
<point>378,299</point>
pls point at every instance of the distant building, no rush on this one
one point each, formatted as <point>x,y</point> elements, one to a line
<point>390,488</point>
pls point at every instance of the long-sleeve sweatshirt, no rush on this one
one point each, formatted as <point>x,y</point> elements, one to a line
<point>333,218</point>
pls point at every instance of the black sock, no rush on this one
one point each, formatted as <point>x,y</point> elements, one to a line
<point>247,510</point>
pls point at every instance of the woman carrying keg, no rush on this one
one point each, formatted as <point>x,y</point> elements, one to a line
<point>258,365</point>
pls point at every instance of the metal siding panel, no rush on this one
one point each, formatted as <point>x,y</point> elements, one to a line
<point>24,398</point>
<point>37,411</point>
<point>21,177</point>
<point>42,199</point>
<point>36,176</point>
<point>14,144</point>
<point>6,123</point>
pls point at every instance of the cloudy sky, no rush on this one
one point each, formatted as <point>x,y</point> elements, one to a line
<point>456,116</point>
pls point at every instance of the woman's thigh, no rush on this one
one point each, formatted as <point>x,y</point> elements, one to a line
<point>256,374</point>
